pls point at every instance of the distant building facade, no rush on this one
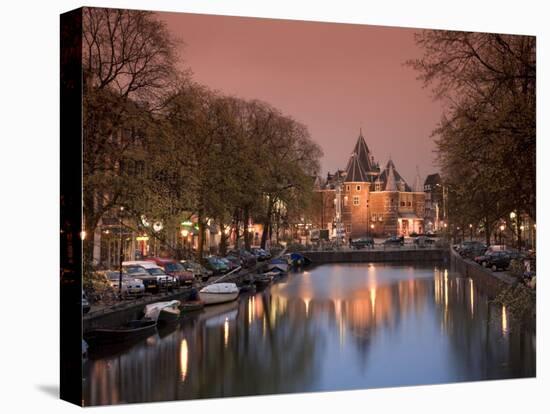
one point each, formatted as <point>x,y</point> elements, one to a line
<point>371,201</point>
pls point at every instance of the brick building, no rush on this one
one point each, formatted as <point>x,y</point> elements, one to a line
<point>373,201</point>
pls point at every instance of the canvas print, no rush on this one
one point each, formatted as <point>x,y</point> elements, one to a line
<point>258,206</point>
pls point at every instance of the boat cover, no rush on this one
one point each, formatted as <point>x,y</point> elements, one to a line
<point>220,288</point>
<point>152,311</point>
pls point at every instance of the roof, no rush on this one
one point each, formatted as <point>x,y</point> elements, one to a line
<point>417,187</point>
<point>390,166</point>
<point>391,185</point>
<point>360,163</point>
<point>354,172</point>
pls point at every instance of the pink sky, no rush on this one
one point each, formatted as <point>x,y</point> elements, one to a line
<point>334,78</point>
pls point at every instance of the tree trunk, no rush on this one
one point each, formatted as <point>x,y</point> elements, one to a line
<point>267,224</point>
<point>246,218</point>
<point>200,247</point>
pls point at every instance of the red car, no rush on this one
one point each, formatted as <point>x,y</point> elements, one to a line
<point>174,269</point>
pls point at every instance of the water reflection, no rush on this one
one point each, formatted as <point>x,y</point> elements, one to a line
<point>335,327</point>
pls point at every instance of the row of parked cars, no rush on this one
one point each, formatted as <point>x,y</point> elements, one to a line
<point>366,242</point>
<point>157,274</point>
<point>495,257</point>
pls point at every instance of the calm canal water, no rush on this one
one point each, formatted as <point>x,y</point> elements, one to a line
<point>332,327</point>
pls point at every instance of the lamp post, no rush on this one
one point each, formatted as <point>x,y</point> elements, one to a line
<point>121,254</point>
<point>471,230</point>
<point>501,231</point>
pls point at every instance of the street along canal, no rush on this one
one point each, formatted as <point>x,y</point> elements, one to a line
<point>331,327</point>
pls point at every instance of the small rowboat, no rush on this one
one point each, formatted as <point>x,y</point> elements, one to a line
<point>131,330</point>
<point>219,293</point>
<point>163,312</point>
<point>192,306</point>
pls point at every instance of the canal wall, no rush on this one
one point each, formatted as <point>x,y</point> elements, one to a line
<point>125,311</point>
<point>490,282</point>
<point>389,255</point>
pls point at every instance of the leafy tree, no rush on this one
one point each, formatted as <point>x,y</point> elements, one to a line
<point>486,140</point>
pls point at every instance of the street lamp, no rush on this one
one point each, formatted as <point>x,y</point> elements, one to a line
<point>501,231</point>
<point>471,230</point>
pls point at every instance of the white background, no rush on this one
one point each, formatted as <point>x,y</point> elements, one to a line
<point>29,177</point>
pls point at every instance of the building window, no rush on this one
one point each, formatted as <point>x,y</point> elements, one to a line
<point>347,188</point>
<point>345,201</point>
<point>376,186</point>
<point>409,204</point>
<point>402,204</point>
<point>358,188</point>
<point>355,200</point>
<point>348,228</point>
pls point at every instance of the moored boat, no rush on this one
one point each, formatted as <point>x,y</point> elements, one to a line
<point>131,330</point>
<point>219,293</point>
<point>192,306</point>
<point>278,265</point>
<point>163,312</point>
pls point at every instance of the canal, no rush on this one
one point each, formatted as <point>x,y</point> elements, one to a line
<point>331,327</point>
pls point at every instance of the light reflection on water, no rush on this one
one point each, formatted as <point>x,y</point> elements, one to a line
<point>341,326</point>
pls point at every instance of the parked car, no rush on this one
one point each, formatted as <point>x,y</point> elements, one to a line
<point>498,260</point>
<point>199,271</point>
<point>152,282</point>
<point>232,261</point>
<point>217,266</point>
<point>362,242</point>
<point>471,249</point>
<point>246,258</point>
<point>131,287</point>
<point>174,269</point>
<point>395,241</point>
<point>260,254</point>
<point>423,240</point>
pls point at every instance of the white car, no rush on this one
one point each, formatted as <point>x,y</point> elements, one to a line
<point>164,280</point>
<point>130,286</point>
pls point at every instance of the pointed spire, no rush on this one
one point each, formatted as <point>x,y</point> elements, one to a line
<point>417,187</point>
<point>391,185</point>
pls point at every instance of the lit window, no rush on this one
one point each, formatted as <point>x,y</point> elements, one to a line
<point>355,200</point>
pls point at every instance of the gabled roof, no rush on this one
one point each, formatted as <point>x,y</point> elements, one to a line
<point>354,172</point>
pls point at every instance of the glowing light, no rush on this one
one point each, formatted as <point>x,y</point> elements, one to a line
<point>504,320</point>
<point>472,296</point>
<point>446,289</point>
<point>83,235</point>
<point>502,227</point>
<point>373,298</point>
<point>306,301</point>
<point>512,215</point>
<point>184,359</point>
<point>226,332</point>
<point>184,233</point>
